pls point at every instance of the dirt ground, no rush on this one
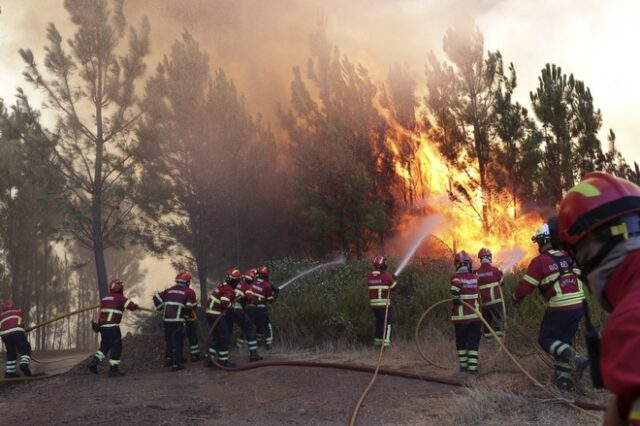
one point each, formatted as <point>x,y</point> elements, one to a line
<point>150,394</point>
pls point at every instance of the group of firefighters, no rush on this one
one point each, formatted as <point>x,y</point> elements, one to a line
<point>595,239</point>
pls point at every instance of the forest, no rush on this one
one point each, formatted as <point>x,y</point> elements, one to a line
<point>172,159</point>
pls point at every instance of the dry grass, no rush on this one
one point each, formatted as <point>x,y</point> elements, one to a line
<point>490,405</point>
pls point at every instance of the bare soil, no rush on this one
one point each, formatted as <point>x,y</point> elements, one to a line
<point>150,394</point>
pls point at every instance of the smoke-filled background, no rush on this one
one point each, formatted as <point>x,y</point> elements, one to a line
<point>322,134</point>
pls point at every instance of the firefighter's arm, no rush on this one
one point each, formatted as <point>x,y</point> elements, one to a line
<point>130,305</point>
<point>528,282</point>
<point>158,301</point>
<point>455,291</point>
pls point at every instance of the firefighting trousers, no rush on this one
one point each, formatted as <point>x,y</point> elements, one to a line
<point>110,341</point>
<point>248,329</point>
<point>467,344</point>
<point>557,332</point>
<point>380,332</point>
<point>191,330</point>
<point>220,339</point>
<point>260,317</point>
<point>493,315</point>
<point>174,341</point>
<point>16,343</point>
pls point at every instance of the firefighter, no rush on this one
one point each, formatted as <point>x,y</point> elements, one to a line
<point>599,223</point>
<point>265,293</point>
<point>15,340</point>
<point>176,303</point>
<point>465,319</point>
<point>219,301</point>
<point>381,285</point>
<point>236,313</point>
<point>112,308</point>
<point>555,275</point>
<point>191,326</point>
<point>490,283</point>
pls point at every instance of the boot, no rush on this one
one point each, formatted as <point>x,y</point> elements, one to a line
<point>207,363</point>
<point>582,364</point>
<point>93,365</point>
<point>25,370</point>
<point>563,384</point>
<point>10,375</point>
<point>253,356</point>
<point>177,367</point>
<point>267,347</point>
<point>196,357</point>
<point>167,361</point>
<point>227,364</point>
<point>114,372</point>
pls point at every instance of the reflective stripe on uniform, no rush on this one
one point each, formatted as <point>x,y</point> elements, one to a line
<point>213,312</point>
<point>11,330</point>
<point>11,317</point>
<point>531,280</point>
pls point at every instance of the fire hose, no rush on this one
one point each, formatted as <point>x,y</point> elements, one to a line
<point>582,406</point>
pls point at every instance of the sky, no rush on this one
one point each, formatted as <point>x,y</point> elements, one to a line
<point>258,42</point>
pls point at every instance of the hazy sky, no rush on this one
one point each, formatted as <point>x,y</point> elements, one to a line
<point>258,42</point>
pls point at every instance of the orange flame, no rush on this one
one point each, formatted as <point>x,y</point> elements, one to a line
<point>439,188</point>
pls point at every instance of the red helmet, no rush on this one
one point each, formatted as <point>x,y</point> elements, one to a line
<point>598,199</point>
<point>233,274</point>
<point>116,285</point>
<point>462,258</point>
<point>263,270</point>
<point>7,305</point>
<point>380,263</point>
<point>183,278</point>
<point>484,252</point>
<point>249,275</point>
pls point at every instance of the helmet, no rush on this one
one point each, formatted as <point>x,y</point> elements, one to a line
<point>8,305</point>
<point>233,274</point>
<point>484,252</point>
<point>116,285</point>
<point>380,263</point>
<point>598,199</point>
<point>462,258</point>
<point>183,278</point>
<point>249,275</point>
<point>543,238</point>
<point>263,270</point>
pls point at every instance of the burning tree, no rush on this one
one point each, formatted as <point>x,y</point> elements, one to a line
<point>462,96</point>
<point>92,89</point>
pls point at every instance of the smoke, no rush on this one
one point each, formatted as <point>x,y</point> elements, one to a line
<point>508,258</point>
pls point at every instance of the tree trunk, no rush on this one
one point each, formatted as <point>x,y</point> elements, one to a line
<point>202,277</point>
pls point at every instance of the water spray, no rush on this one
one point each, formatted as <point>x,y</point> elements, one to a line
<point>509,258</point>
<point>338,261</point>
<point>425,229</point>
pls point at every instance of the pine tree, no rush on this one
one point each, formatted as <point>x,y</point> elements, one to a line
<point>92,90</point>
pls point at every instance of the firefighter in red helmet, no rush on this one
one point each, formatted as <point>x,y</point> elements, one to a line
<point>464,287</point>
<point>236,314</point>
<point>191,322</point>
<point>112,308</point>
<point>599,224</point>
<point>15,340</point>
<point>176,303</point>
<point>265,293</point>
<point>555,274</point>
<point>490,288</point>
<point>381,285</point>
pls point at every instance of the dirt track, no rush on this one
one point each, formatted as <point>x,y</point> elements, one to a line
<point>150,394</point>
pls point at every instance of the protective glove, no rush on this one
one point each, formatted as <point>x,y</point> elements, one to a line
<point>457,301</point>
<point>276,292</point>
<point>95,327</point>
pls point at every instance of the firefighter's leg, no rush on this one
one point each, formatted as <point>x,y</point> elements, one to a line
<point>487,315</point>
<point>473,343</point>
<point>268,337</point>
<point>24,349</point>
<point>116,352</point>
<point>11,356</point>
<point>497,319</point>
<point>168,343</point>
<point>379,330</point>
<point>387,333</point>
<point>191,329</point>
<point>552,339</point>
<point>222,343</point>
<point>461,345</point>
<point>212,345</point>
<point>249,330</point>
<point>178,344</point>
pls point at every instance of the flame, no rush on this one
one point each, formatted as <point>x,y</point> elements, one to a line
<point>439,188</point>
